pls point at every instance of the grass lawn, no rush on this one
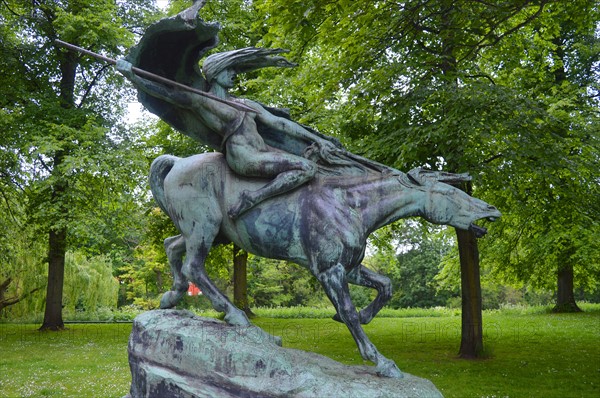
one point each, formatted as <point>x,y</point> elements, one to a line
<point>530,355</point>
<point>87,360</point>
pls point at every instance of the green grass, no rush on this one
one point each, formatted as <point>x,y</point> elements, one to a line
<point>539,355</point>
<point>87,360</point>
<point>532,353</point>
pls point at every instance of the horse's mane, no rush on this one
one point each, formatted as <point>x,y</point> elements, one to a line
<point>348,174</point>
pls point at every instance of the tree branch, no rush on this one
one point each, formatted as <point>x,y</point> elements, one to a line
<point>5,302</point>
<point>490,160</point>
<point>10,211</point>
<point>475,49</point>
<point>482,75</point>
<point>4,286</point>
<point>11,10</point>
<point>44,165</point>
<point>91,85</point>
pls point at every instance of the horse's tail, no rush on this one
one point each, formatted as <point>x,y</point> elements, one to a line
<point>161,166</point>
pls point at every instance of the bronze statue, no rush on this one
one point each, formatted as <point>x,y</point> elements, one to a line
<point>278,189</point>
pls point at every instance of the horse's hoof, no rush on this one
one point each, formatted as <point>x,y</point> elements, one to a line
<point>277,340</point>
<point>237,319</point>
<point>387,368</point>
<point>167,301</point>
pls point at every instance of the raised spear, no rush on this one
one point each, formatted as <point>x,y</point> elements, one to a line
<point>157,78</point>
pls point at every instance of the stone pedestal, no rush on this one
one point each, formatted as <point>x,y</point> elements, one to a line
<point>177,354</point>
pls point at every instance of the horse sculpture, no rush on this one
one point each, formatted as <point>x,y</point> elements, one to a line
<point>322,226</point>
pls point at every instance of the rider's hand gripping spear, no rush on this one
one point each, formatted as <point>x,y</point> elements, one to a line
<point>157,78</point>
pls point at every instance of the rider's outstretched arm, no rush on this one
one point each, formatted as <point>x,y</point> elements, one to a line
<point>213,112</point>
<point>289,126</point>
<point>175,97</point>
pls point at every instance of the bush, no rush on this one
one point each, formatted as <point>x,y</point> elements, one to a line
<point>327,312</point>
<point>295,312</point>
<point>126,313</point>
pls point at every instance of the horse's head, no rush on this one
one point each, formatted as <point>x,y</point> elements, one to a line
<point>448,205</point>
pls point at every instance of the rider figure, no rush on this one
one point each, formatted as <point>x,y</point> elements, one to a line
<point>245,150</point>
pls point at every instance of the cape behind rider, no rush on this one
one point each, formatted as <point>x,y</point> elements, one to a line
<point>245,150</point>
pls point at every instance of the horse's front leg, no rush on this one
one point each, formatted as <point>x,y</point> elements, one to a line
<point>175,248</point>
<point>195,271</point>
<point>334,282</point>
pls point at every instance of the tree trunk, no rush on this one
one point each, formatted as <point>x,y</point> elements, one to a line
<point>240,281</point>
<point>57,238</point>
<point>56,274</point>
<point>471,343</point>
<point>57,251</point>
<point>565,298</point>
<point>159,281</point>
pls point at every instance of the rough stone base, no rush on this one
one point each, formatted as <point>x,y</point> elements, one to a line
<point>177,354</point>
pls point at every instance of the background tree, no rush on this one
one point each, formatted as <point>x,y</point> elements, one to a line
<point>417,265</point>
<point>553,155</point>
<point>401,77</point>
<point>63,132</point>
<point>505,90</point>
<point>274,283</point>
<point>21,271</point>
<point>240,280</point>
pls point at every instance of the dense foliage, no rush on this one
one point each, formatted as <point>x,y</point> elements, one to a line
<point>72,170</point>
<point>505,90</point>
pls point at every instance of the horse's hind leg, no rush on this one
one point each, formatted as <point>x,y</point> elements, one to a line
<point>194,270</point>
<point>175,248</point>
<point>336,287</point>
<point>363,276</point>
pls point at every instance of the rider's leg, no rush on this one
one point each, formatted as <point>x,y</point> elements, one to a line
<point>290,171</point>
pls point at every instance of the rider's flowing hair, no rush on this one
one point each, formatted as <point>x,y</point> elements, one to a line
<point>243,60</point>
